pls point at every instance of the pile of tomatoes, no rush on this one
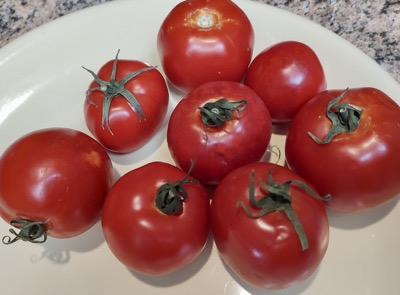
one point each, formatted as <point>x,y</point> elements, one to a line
<point>268,221</point>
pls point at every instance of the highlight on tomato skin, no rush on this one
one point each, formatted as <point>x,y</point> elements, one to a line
<point>156,219</point>
<point>201,41</point>
<point>286,75</point>
<point>125,104</point>
<point>268,222</point>
<point>221,126</point>
<point>354,133</point>
<point>269,225</point>
<point>53,182</point>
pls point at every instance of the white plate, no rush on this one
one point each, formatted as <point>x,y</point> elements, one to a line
<point>42,84</point>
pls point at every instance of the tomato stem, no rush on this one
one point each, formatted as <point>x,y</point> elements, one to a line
<point>345,117</point>
<point>30,231</point>
<point>279,199</point>
<point>113,88</point>
<point>216,114</point>
<point>170,196</point>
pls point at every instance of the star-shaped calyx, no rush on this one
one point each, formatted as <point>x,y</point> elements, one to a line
<point>113,88</point>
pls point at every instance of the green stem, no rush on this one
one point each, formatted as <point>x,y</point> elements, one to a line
<point>112,88</point>
<point>216,114</point>
<point>345,117</point>
<point>170,196</point>
<point>30,231</point>
<point>279,199</point>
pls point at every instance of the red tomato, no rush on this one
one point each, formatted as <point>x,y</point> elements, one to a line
<point>156,220</point>
<point>251,213</point>
<point>201,41</point>
<point>240,136</point>
<point>359,166</point>
<point>285,76</point>
<point>125,104</point>
<point>56,178</point>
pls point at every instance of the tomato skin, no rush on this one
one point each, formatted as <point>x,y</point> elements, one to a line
<point>218,150</point>
<point>58,176</point>
<point>192,55</point>
<point>266,252</point>
<point>143,238</point>
<point>359,169</point>
<point>286,75</point>
<point>129,132</point>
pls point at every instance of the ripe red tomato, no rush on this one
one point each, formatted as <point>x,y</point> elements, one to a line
<point>201,41</point>
<point>268,228</point>
<point>359,166</point>
<point>56,178</point>
<point>286,75</point>
<point>155,219</point>
<point>125,104</point>
<point>239,134</point>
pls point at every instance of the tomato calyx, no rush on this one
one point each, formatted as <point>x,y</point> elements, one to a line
<point>345,117</point>
<point>170,196</point>
<point>279,199</point>
<point>216,114</point>
<point>204,19</point>
<point>113,88</point>
<point>30,231</point>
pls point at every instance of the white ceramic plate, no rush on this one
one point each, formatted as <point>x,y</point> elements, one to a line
<point>42,84</point>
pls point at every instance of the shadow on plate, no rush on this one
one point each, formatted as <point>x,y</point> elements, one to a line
<point>175,94</point>
<point>352,221</point>
<point>180,275</point>
<point>59,250</point>
<point>280,128</point>
<point>299,288</point>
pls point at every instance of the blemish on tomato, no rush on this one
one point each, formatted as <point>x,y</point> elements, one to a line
<point>93,158</point>
<point>204,19</point>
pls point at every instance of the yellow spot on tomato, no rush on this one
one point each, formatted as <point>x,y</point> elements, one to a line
<point>93,158</point>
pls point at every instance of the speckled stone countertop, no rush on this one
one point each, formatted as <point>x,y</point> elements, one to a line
<point>371,25</point>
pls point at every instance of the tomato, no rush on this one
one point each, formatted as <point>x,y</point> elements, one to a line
<point>53,182</point>
<point>220,126</point>
<point>357,161</point>
<point>269,225</point>
<point>125,104</point>
<point>156,219</point>
<point>286,75</point>
<point>201,41</point>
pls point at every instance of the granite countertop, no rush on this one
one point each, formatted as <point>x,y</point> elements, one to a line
<point>371,25</point>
